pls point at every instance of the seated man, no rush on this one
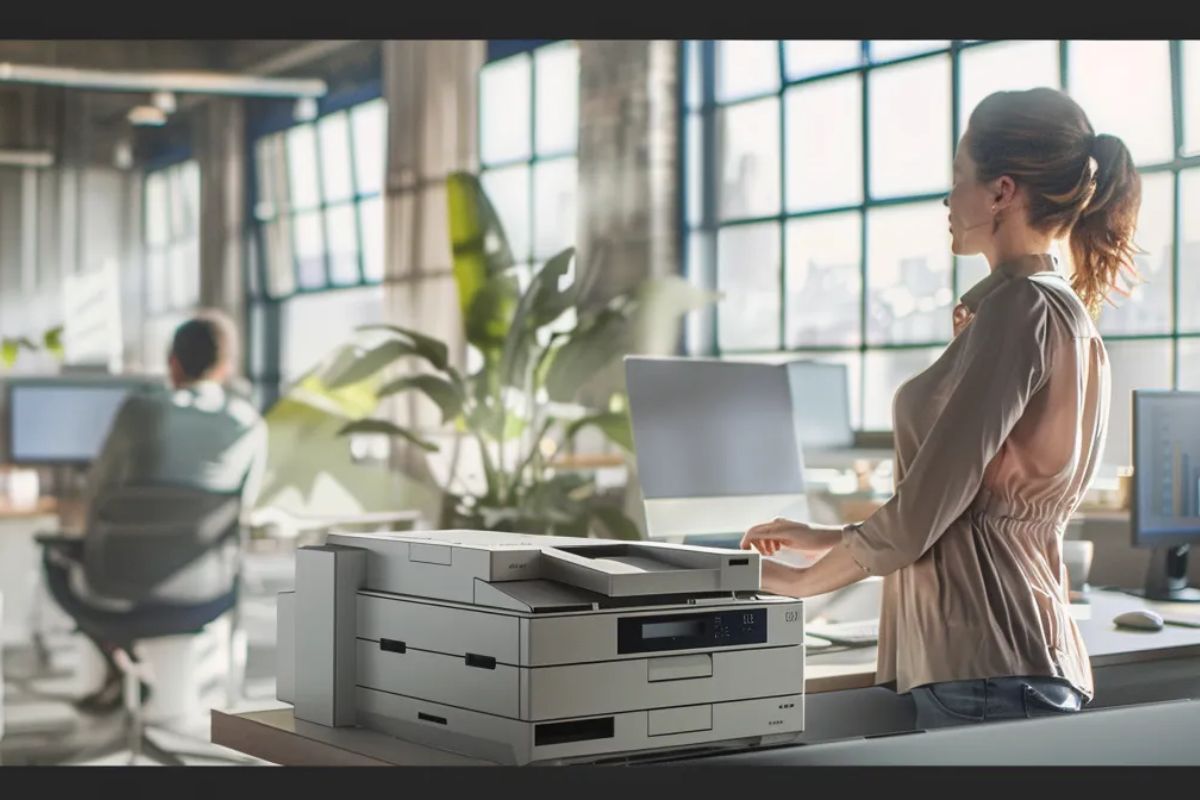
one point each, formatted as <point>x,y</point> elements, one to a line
<point>194,435</point>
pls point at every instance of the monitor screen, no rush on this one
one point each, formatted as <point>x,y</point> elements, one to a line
<point>719,444</point>
<point>60,423</point>
<point>706,428</point>
<point>821,399</point>
<point>1166,468</point>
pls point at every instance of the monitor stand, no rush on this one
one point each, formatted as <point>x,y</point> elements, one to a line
<point>1167,575</point>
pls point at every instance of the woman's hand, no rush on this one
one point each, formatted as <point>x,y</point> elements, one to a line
<point>961,318</point>
<point>813,541</point>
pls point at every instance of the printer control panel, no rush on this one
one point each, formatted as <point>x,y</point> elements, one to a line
<point>686,631</point>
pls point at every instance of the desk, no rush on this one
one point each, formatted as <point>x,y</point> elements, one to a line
<point>44,506</point>
<point>1,669</point>
<point>1107,645</point>
<point>275,735</point>
<point>842,702</point>
<point>1158,734</point>
<point>20,558</point>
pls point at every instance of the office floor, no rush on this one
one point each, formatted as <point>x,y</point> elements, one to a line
<point>43,728</point>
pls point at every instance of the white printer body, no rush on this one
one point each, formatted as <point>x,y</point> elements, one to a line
<point>520,649</point>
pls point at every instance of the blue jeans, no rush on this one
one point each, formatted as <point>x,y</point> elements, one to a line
<point>940,705</point>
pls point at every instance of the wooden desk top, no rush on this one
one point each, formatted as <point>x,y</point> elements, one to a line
<point>276,736</point>
<point>45,506</point>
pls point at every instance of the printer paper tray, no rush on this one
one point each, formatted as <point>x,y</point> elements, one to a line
<point>547,693</point>
<point>508,741</point>
<point>538,641</point>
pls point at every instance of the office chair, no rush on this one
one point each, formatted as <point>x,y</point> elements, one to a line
<point>160,548</point>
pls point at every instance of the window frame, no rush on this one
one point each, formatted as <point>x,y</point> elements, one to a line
<point>534,159</point>
<point>703,338</point>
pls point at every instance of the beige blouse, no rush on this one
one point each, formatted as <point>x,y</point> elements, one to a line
<point>995,446</point>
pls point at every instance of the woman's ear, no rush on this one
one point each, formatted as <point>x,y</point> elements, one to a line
<point>1004,190</point>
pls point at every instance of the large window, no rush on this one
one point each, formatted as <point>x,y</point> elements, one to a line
<point>319,208</point>
<point>318,221</point>
<point>171,238</point>
<point>528,137</point>
<point>813,185</point>
<point>171,254</point>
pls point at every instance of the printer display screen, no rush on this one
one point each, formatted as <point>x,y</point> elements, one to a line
<point>664,630</point>
<point>705,629</point>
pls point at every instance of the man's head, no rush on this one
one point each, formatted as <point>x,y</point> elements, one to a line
<point>204,349</point>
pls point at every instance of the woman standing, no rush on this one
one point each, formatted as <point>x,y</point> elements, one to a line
<point>997,441</point>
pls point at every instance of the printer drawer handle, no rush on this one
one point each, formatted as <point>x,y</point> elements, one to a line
<point>678,668</point>
<point>482,662</point>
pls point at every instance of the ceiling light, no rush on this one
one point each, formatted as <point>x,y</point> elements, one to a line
<point>305,109</point>
<point>163,101</point>
<point>147,115</point>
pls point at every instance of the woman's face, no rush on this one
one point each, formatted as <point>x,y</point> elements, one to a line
<point>971,206</point>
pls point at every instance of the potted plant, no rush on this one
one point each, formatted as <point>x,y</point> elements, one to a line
<point>11,347</point>
<point>523,404</point>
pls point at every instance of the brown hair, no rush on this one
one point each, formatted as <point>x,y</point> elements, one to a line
<point>1078,183</point>
<point>203,342</point>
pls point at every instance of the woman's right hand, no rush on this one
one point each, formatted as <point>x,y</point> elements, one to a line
<point>813,541</point>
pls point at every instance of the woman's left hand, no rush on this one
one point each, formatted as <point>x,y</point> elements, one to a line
<point>811,540</point>
<point>961,317</point>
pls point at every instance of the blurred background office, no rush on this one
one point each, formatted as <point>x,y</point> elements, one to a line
<point>309,188</point>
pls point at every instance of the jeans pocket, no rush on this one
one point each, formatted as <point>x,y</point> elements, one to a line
<point>1038,704</point>
<point>955,705</point>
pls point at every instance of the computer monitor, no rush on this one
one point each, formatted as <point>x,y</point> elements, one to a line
<point>1165,509</point>
<point>718,445</point>
<point>821,402</point>
<point>59,421</point>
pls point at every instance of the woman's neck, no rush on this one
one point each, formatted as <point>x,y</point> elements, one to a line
<point>1017,244</point>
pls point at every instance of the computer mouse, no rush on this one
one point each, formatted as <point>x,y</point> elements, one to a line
<point>1142,619</point>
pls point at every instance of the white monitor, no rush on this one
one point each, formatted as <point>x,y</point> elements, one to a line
<point>821,402</point>
<point>61,421</point>
<point>718,443</point>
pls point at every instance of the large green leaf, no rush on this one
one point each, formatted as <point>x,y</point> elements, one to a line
<point>586,274</point>
<point>645,321</point>
<point>477,239</point>
<point>542,369</point>
<point>585,352</point>
<point>542,303</point>
<point>385,427</point>
<point>372,361</point>
<point>614,521</point>
<point>485,418</point>
<point>10,349</point>
<point>490,316</point>
<point>561,500</point>
<point>353,401</point>
<point>547,299</point>
<point>52,341</point>
<point>432,350</point>
<point>348,402</point>
<point>441,391</point>
<point>8,352</point>
<point>613,424</point>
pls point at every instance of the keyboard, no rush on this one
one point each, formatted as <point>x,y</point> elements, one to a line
<point>856,632</point>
